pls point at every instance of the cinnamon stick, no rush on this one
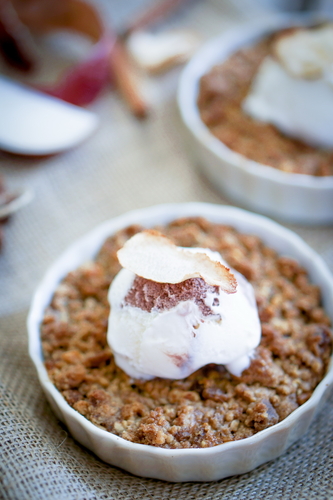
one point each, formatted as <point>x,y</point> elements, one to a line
<point>125,77</point>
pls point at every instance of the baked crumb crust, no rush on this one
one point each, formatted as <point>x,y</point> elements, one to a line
<point>221,94</point>
<point>210,406</point>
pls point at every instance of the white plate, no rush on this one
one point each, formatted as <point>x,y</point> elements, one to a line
<point>186,464</point>
<point>291,197</point>
<point>33,123</point>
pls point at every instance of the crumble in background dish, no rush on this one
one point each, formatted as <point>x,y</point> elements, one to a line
<point>222,91</point>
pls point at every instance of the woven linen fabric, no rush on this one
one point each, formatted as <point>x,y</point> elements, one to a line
<point>125,165</point>
<point>40,461</point>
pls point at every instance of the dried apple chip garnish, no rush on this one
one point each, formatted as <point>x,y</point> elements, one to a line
<point>152,256</point>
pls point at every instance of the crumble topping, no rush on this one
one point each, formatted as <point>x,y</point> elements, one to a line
<point>211,406</point>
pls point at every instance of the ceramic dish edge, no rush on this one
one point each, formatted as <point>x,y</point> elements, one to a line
<point>187,464</point>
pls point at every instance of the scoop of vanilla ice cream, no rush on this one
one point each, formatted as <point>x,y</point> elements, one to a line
<point>173,342</point>
<point>294,89</point>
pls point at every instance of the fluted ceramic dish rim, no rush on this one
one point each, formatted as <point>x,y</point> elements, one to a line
<point>213,52</point>
<point>182,464</point>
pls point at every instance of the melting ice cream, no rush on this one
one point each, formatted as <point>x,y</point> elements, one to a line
<point>174,310</point>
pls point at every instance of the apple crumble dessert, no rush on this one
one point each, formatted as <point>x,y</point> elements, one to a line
<point>210,406</point>
<point>250,103</point>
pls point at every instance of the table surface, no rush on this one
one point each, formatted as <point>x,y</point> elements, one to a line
<point>126,164</point>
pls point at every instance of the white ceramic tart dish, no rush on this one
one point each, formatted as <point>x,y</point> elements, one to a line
<point>191,464</point>
<point>291,197</point>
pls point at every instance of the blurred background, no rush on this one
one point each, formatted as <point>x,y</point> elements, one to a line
<point>136,156</point>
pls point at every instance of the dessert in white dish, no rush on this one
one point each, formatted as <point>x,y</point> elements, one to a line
<point>293,88</point>
<point>293,197</point>
<point>187,464</point>
<point>178,311</point>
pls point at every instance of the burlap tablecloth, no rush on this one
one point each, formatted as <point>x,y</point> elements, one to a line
<point>125,165</point>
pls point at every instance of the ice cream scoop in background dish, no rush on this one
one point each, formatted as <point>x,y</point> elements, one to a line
<point>174,310</point>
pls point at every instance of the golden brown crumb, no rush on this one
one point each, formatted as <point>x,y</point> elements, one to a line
<point>210,406</point>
